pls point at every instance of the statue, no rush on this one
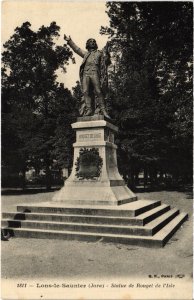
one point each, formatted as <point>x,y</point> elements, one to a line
<point>93,77</point>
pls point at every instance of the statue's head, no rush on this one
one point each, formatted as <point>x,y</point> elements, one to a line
<point>91,44</point>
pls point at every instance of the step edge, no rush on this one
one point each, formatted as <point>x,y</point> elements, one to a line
<point>151,211</point>
<point>150,202</point>
<point>163,217</point>
<point>80,233</point>
<point>77,224</point>
<point>177,220</point>
<point>76,215</point>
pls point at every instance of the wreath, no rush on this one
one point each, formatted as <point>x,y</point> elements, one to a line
<point>88,164</point>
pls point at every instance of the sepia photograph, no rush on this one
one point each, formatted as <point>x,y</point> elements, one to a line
<point>96,150</point>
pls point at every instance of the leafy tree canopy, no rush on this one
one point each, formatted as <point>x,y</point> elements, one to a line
<point>151,83</point>
<point>35,107</point>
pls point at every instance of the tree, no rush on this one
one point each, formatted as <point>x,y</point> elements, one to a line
<point>151,84</point>
<point>30,94</point>
<point>65,112</point>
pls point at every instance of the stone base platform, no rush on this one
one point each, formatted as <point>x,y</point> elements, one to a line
<point>94,195</point>
<point>142,223</point>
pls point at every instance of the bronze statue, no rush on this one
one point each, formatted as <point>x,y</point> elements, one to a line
<point>93,76</point>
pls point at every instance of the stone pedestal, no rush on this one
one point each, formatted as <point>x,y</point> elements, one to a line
<point>94,178</point>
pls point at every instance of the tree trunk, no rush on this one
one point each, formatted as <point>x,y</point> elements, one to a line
<point>145,177</point>
<point>48,177</point>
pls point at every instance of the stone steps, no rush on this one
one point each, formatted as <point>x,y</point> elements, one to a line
<point>143,222</point>
<point>158,240</point>
<point>149,229</point>
<point>142,219</point>
<point>126,210</point>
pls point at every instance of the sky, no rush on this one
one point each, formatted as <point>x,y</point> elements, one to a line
<point>80,20</point>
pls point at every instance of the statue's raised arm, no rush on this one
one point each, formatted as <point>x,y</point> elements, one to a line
<point>75,48</point>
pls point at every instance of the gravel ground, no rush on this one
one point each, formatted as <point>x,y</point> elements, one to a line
<point>41,258</point>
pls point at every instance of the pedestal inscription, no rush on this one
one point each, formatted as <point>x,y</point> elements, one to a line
<point>89,137</point>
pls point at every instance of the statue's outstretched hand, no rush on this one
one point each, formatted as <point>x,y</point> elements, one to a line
<point>66,37</point>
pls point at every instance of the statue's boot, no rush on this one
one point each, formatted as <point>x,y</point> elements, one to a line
<point>103,109</point>
<point>105,113</point>
<point>88,112</point>
<point>88,108</point>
